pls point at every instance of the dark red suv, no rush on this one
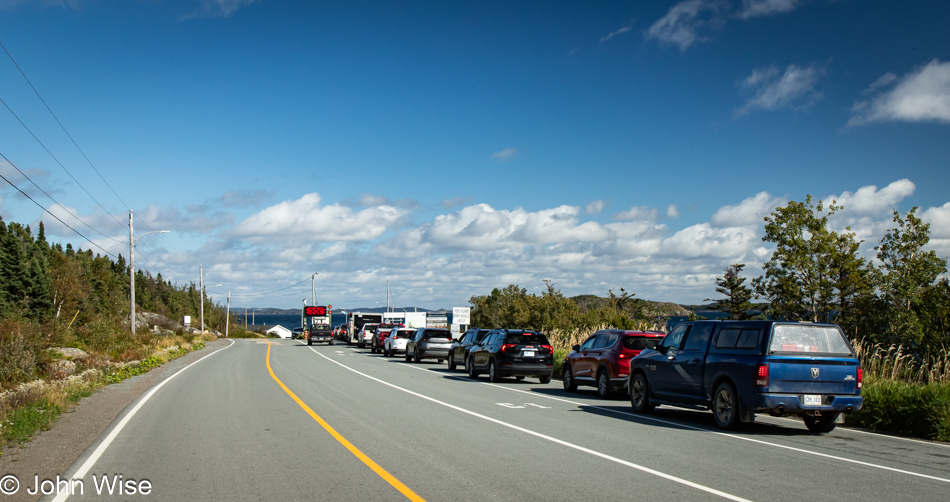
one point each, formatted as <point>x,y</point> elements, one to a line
<point>603,360</point>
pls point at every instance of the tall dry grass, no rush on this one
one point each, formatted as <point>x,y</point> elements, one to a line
<point>896,363</point>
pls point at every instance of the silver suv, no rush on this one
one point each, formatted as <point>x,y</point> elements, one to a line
<point>429,343</point>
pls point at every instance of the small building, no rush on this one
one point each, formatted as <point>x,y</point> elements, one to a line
<point>279,331</point>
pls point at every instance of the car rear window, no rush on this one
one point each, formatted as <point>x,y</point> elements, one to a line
<point>438,333</point>
<point>526,338</point>
<point>404,333</point>
<point>640,343</point>
<point>804,338</point>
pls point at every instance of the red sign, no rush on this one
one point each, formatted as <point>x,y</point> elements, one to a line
<point>315,310</point>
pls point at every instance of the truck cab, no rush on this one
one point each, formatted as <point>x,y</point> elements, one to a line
<point>740,368</point>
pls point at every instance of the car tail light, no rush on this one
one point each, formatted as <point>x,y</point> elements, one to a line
<point>762,375</point>
<point>860,377</point>
<point>505,347</point>
<point>548,348</point>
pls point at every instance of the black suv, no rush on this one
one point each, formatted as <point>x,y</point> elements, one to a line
<point>512,352</point>
<point>458,354</point>
<point>429,343</point>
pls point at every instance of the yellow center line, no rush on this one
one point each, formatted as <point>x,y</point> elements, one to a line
<point>411,495</point>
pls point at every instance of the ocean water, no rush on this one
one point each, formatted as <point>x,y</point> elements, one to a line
<point>289,321</point>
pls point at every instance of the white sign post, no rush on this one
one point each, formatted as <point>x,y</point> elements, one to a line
<point>461,315</point>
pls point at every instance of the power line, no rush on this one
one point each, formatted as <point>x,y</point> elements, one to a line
<point>251,295</point>
<point>53,215</point>
<point>61,126</point>
<point>90,227</point>
<point>57,160</point>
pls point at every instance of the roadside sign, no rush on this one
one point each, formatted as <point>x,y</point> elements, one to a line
<point>461,315</point>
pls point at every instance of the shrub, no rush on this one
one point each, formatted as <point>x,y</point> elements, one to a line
<point>920,410</point>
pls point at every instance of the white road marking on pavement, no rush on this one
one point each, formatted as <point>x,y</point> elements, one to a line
<point>509,405</point>
<point>548,438</point>
<point>726,434</point>
<point>91,461</point>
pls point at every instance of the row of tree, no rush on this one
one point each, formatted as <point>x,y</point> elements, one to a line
<point>816,274</point>
<point>42,283</point>
<point>513,306</point>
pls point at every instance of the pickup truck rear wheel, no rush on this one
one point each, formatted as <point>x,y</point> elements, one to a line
<point>824,423</point>
<point>726,406</point>
<point>640,394</point>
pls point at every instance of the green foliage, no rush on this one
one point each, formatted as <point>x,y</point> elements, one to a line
<point>23,422</point>
<point>813,271</point>
<point>738,296</point>
<point>513,307</point>
<point>559,355</point>
<point>905,409</point>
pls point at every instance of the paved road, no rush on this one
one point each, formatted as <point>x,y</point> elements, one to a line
<point>226,428</point>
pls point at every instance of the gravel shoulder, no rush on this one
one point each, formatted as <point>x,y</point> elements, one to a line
<point>51,452</point>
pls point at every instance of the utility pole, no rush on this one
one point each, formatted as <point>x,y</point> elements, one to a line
<point>132,240</point>
<point>227,315</point>
<point>313,294</point>
<point>201,297</point>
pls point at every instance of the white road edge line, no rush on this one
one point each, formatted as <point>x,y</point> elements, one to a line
<point>726,434</point>
<point>548,438</point>
<point>91,461</point>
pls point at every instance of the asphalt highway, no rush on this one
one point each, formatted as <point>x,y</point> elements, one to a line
<point>278,420</point>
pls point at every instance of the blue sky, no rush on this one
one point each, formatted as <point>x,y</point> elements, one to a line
<point>453,147</point>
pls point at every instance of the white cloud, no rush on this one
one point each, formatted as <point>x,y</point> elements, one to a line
<point>772,90</point>
<point>750,211</point>
<point>306,219</point>
<point>922,95</point>
<point>621,31</point>
<point>939,219</point>
<point>705,240</point>
<point>681,24</point>
<point>223,8</point>
<point>637,213</point>
<point>868,200</point>
<point>672,211</point>
<point>505,155</point>
<point>595,207</point>
<point>760,8</point>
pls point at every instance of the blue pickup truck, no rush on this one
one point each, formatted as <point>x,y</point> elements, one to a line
<point>740,368</point>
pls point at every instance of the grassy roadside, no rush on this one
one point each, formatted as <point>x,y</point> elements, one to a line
<point>59,381</point>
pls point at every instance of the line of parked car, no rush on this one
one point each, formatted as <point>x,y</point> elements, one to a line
<point>734,368</point>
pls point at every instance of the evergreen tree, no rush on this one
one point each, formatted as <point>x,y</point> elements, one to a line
<point>737,295</point>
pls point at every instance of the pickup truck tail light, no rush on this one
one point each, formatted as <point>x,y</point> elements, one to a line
<point>860,377</point>
<point>762,375</point>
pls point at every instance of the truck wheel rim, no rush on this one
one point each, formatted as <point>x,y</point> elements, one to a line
<point>723,406</point>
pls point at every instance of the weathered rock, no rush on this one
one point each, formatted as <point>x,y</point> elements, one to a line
<point>61,369</point>
<point>70,352</point>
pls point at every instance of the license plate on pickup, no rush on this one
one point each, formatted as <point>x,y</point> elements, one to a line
<point>811,400</point>
<point>527,353</point>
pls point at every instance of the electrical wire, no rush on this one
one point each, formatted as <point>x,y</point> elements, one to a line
<point>90,227</point>
<point>53,215</point>
<point>61,126</point>
<point>252,295</point>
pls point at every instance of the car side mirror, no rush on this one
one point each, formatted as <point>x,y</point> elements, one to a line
<point>661,349</point>
<point>576,348</point>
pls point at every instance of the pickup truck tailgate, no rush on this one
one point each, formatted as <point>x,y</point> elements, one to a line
<point>812,375</point>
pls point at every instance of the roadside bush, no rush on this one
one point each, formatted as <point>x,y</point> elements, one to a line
<point>559,355</point>
<point>919,410</point>
<point>21,351</point>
